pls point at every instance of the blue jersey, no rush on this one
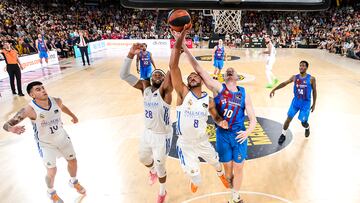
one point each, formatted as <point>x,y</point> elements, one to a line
<point>145,59</point>
<point>231,106</point>
<point>302,88</point>
<point>196,38</point>
<point>219,53</point>
<point>41,45</point>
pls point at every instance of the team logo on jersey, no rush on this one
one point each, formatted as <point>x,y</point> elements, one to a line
<point>42,116</point>
<point>190,102</point>
<point>205,105</point>
<point>156,94</point>
<point>262,141</point>
<point>56,111</point>
<point>223,101</point>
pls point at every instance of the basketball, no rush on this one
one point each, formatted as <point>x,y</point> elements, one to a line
<point>177,19</point>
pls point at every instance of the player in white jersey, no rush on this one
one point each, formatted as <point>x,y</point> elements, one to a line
<point>193,107</point>
<point>50,136</point>
<point>156,140</point>
<point>270,60</point>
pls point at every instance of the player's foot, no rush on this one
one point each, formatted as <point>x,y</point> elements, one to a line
<point>193,187</point>
<point>55,198</point>
<point>225,181</point>
<point>307,132</point>
<point>275,81</point>
<point>269,85</point>
<point>21,94</point>
<point>215,78</point>
<point>80,189</point>
<point>152,178</point>
<point>161,198</point>
<point>282,139</point>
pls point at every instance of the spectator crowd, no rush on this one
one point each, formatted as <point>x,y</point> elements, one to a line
<point>336,30</point>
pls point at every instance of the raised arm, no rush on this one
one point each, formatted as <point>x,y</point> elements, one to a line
<point>215,115</point>
<point>176,78</point>
<point>137,63</point>
<point>66,110</point>
<point>11,125</point>
<point>125,69</point>
<point>313,85</point>
<point>213,85</point>
<point>281,85</point>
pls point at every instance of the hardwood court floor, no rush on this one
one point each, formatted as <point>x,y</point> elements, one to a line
<point>323,168</point>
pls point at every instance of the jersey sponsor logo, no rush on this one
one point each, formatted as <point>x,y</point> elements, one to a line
<point>42,116</point>
<point>151,104</point>
<point>261,142</point>
<point>210,57</point>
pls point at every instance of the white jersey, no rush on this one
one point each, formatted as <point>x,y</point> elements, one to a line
<point>192,115</point>
<point>157,112</point>
<point>48,127</point>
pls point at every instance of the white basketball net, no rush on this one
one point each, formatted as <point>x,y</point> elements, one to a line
<point>227,21</point>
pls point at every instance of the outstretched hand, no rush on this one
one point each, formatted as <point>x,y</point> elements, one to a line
<point>135,49</point>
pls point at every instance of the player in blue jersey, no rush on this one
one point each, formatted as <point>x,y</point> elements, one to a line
<point>42,48</point>
<point>144,58</point>
<point>231,103</point>
<point>304,84</point>
<point>218,57</point>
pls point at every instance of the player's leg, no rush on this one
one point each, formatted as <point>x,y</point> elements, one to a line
<point>208,153</point>
<point>49,158</point>
<point>189,162</point>
<point>216,66</point>
<point>224,150</point>
<point>67,151</point>
<point>290,115</point>
<point>40,56</point>
<point>46,56</point>
<point>239,156</point>
<point>304,117</point>
<point>146,156</point>
<point>220,67</point>
<point>160,152</point>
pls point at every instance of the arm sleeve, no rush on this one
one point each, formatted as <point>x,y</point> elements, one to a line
<point>125,72</point>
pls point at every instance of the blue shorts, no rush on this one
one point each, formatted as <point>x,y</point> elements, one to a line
<point>43,54</point>
<point>303,107</point>
<point>145,72</point>
<point>219,64</point>
<point>228,148</point>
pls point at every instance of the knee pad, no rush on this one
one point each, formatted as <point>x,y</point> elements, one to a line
<point>160,169</point>
<point>305,124</point>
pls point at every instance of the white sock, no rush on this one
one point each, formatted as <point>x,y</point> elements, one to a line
<point>235,195</point>
<point>283,132</point>
<point>162,189</point>
<point>50,190</point>
<point>73,179</point>
<point>152,170</point>
<point>220,173</point>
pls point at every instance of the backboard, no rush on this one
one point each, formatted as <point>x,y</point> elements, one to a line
<point>281,5</point>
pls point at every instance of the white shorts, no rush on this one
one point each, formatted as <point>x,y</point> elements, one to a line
<point>62,148</point>
<point>270,60</point>
<point>155,146</point>
<point>189,153</point>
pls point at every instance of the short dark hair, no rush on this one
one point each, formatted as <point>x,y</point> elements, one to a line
<point>306,63</point>
<point>31,85</point>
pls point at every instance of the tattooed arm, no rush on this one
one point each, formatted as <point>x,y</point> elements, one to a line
<point>11,125</point>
